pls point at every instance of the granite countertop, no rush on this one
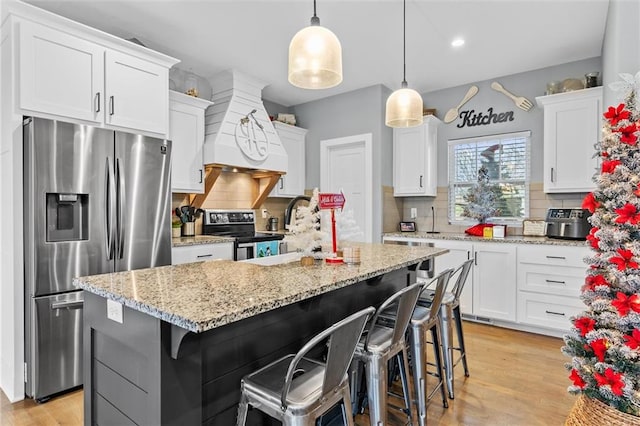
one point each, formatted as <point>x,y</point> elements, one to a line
<point>198,240</point>
<point>514,239</point>
<point>204,295</point>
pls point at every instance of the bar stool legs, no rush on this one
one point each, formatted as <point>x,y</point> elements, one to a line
<point>449,315</point>
<point>463,352</point>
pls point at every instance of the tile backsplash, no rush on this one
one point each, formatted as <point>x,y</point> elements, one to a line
<point>539,202</point>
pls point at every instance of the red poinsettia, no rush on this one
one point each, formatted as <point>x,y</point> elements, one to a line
<point>633,340</point>
<point>610,166</point>
<point>614,115</point>
<point>593,240</point>
<point>599,347</point>
<point>612,379</point>
<point>625,304</point>
<point>628,134</point>
<point>628,214</point>
<point>585,325</point>
<point>590,203</point>
<point>593,281</point>
<point>604,154</point>
<point>624,260</point>
<point>576,379</point>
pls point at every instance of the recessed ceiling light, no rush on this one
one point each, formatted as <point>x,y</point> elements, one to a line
<point>457,42</point>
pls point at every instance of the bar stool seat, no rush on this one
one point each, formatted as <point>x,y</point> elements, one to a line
<point>450,314</point>
<point>298,390</point>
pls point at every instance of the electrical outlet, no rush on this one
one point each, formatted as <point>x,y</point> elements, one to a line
<point>265,213</point>
<point>414,212</point>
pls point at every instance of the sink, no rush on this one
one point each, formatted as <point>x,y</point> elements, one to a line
<point>275,260</point>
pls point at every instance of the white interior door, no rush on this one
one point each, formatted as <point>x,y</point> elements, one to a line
<point>346,165</point>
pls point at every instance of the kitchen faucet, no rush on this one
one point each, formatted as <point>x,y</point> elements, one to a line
<point>289,209</point>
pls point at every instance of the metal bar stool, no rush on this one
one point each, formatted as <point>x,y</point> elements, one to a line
<point>382,344</point>
<point>423,321</point>
<point>298,390</point>
<point>450,312</point>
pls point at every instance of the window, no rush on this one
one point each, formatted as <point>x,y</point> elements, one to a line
<point>507,159</point>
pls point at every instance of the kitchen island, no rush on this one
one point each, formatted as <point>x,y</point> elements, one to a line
<point>169,345</point>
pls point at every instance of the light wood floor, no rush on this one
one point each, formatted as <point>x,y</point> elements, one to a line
<point>516,379</point>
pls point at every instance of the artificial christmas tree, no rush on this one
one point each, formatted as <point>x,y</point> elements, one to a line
<point>304,234</point>
<point>481,198</point>
<point>604,343</point>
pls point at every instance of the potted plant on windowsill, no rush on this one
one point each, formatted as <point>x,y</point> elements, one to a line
<point>604,342</point>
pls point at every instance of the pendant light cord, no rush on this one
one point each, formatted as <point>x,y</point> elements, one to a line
<point>314,19</point>
<point>404,42</point>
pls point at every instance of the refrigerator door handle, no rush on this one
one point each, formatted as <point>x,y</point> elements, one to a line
<point>119,205</point>
<point>108,200</point>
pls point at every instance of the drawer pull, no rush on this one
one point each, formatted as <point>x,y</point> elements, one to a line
<point>555,313</point>
<point>556,257</point>
<point>555,281</point>
<point>200,256</point>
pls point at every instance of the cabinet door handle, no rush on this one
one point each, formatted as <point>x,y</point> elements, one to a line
<point>200,256</point>
<point>555,281</point>
<point>200,176</point>
<point>561,314</point>
<point>111,106</point>
<point>475,258</point>
<point>556,257</point>
<point>97,102</point>
<point>281,182</point>
<point>468,255</point>
<point>552,174</point>
<point>420,181</point>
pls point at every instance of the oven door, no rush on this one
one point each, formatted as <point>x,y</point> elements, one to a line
<point>260,249</point>
<point>244,251</point>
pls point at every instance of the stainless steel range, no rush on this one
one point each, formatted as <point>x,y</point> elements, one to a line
<point>241,225</point>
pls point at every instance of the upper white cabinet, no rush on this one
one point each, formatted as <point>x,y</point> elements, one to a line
<point>60,74</point>
<point>65,75</point>
<point>415,156</point>
<point>186,131</point>
<point>572,123</point>
<point>293,140</point>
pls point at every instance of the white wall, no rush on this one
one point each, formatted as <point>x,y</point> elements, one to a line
<point>621,47</point>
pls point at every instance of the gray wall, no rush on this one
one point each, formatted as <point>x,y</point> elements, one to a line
<point>274,109</point>
<point>353,113</point>
<point>528,84</point>
<point>621,47</point>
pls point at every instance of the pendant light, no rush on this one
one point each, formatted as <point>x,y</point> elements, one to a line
<point>315,57</point>
<point>404,106</point>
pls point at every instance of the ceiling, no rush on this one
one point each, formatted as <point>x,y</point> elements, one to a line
<point>503,37</point>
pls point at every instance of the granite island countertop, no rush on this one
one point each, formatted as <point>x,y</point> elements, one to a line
<point>514,239</point>
<point>204,295</point>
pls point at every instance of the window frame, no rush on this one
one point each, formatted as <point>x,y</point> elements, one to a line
<point>451,184</point>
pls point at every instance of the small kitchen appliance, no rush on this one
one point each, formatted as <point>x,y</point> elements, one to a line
<point>241,226</point>
<point>570,223</point>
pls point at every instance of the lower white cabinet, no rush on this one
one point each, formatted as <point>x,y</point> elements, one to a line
<point>201,252</point>
<point>494,281</point>
<point>549,283</point>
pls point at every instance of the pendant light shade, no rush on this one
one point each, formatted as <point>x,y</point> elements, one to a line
<point>404,106</point>
<point>315,57</point>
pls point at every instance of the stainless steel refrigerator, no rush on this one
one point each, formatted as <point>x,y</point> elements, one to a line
<point>95,201</point>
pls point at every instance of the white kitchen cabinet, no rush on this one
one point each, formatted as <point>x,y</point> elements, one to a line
<point>572,123</point>
<point>136,93</point>
<point>292,183</point>
<point>494,281</point>
<point>549,284</point>
<point>415,156</point>
<point>62,75</point>
<point>186,131</point>
<point>201,252</point>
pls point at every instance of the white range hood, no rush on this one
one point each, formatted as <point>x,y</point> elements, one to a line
<point>238,131</point>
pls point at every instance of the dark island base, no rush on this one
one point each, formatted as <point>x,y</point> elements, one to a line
<point>130,376</point>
